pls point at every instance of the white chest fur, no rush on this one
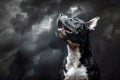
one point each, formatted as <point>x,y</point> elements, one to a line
<point>75,70</point>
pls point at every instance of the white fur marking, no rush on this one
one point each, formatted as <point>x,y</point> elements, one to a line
<point>74,72</point>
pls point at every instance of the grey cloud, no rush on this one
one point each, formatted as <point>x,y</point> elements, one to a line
<point>36,55</point>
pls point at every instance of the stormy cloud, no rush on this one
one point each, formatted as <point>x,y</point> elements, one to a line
<point>30,50</point>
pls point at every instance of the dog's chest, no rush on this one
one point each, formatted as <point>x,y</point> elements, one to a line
<point>73,66</point>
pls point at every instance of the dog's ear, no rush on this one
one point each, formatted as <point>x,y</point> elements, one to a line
<point>92,23</point>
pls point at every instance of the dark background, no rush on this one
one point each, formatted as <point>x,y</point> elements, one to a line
<point>29,49</point>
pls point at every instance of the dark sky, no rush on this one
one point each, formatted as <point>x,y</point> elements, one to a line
<point>29,49</point>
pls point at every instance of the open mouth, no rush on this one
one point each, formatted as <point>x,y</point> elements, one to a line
<point>63,30</point>
<point>63,27</point>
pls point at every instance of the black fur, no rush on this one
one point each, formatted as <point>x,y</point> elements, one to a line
<point>87,60</point>
<point>87,57</point>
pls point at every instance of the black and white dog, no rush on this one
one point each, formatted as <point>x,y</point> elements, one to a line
<point>79,64</point>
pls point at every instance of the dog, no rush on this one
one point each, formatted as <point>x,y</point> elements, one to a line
<point>79,64</point>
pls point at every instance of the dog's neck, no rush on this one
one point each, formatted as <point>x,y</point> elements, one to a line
<point>73,49</point>
<point>73,55</point>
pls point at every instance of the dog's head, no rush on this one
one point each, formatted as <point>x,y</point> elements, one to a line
<point>74,29</point>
